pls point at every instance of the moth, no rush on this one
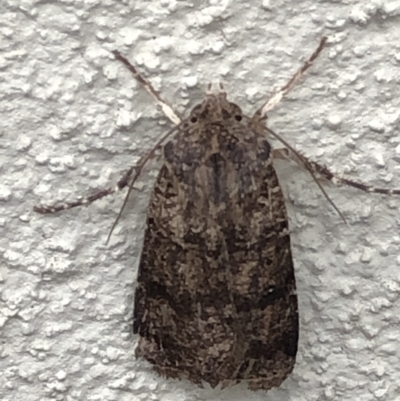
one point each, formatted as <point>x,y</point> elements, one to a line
<point>216,295</point>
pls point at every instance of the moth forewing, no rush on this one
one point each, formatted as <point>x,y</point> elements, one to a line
<point>216,295</point>
<point>225,273</point>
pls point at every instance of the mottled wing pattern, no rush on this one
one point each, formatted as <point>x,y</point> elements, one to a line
<point>216,298</point>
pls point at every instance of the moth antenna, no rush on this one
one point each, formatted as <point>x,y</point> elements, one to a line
<point>142,162</point>
<point>335,179</point>
<point>169,113</point>
<point>309,169</point>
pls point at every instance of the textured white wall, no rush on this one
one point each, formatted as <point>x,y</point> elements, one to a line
<point>72,119</point>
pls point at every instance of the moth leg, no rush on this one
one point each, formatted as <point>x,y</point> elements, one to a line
<point>261,113</point>
<point>323,172</point>
<point>101,193</point>
<point>125,179</point>
<point>165,107</point>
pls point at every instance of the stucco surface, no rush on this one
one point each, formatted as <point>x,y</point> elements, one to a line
<point>73,119</point>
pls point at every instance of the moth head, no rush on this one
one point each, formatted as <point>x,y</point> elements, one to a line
<point>215,108</point>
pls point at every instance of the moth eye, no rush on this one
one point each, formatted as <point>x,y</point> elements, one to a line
<point>193,120</point>
<point>238,117</point>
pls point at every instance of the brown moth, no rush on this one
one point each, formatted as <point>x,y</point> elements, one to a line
<point>216,296</point>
